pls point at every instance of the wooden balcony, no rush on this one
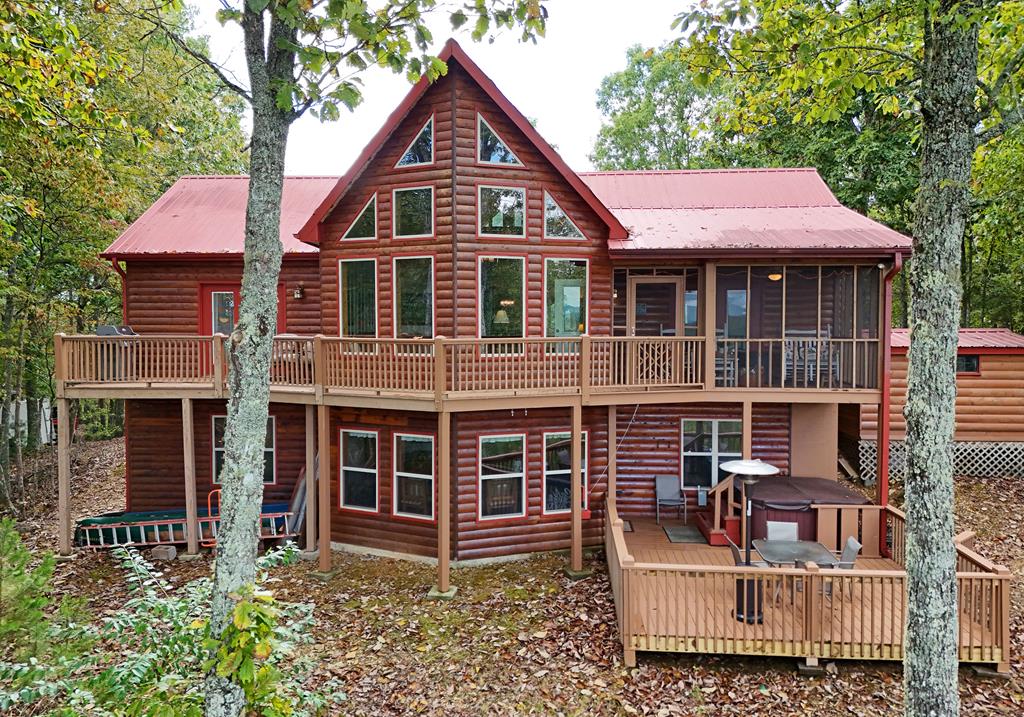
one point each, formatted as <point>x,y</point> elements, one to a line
<point>419,374</point>
<point>682,597</point>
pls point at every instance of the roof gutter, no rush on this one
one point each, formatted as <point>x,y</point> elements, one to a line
<point>759,252</point>
<point>124,288</point>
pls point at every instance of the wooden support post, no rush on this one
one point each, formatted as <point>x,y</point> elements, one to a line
<point>576,495</point>
<point>443,589</point>
<point>59,365</point>
<point>584,369</point>
<point>319,373</point>
<point>64,475</point>
<point>748,430</point>
<point>218,365</point>
<point>612,450</point>
<point>311,501</point>
<point>189,452</point>
<point>1003,619</point>
<point>710,278</point>
<point>439,372</point>
<point>323,421</point>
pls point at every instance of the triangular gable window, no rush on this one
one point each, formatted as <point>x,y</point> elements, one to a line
<point>365,225</point>
<point>557,224</point>
<point>490,148</point>
<point>421,151</point>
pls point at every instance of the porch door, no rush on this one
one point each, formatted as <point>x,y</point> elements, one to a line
<point>654,309</point>
<point>218,308</point>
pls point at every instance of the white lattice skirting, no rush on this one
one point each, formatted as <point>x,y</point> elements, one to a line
<point>981,459</point>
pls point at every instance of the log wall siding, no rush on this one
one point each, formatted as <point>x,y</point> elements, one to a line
<point>381,530</point>
<point>989,406</point>
<point>477,538</point>
<point>155,464</point>
<point>163,296</point>
<point>651,445</point>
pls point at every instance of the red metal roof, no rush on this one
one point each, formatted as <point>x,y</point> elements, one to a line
<point>969,339</point>
<point>206,216</point>
<point>453,51</point>
<point>736,211</point>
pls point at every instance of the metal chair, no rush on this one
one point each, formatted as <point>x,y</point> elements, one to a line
<point>847,560</point>
<point>668,493</point>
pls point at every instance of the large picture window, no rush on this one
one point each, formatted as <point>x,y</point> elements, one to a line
<point>706,445</point>
<point>502,211</point>
<point>565,308</point>
<point>269,467</point>
<point>413,212</point>
<point>359,470</point>
<point>502,476</point>
<point>414,475</point>
<point>501,297</point>
<point>558,472</point>
<point>357,297</point>
<point>414,297</point>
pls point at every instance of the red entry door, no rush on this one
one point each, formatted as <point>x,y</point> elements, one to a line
<point>218,309</point>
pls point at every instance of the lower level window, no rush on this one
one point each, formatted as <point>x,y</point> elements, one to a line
<point>706,445</point>
<point>359,470</point>
<point>219,428</point>
<point>502,476</point>
<point>558,472</point>
<point>414,475</point>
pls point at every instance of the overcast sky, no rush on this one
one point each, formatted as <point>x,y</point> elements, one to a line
<point>554,82</point>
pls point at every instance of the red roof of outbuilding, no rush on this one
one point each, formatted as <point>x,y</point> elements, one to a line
<point>981,339</point>
<point>736,211</point>
<point>453,51</point>
<point>206,216</point>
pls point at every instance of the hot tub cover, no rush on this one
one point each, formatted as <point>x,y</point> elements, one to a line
<point>801,493</point>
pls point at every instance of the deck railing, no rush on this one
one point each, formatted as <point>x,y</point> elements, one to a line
<point>797,612</point>
<point>439,367</point>
<point>827,363</point>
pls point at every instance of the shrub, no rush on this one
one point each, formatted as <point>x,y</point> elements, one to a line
<point>23,595</point>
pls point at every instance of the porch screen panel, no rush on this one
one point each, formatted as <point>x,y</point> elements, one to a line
<point>837,302</point>
<point>802,301</point>
<point>867,302</point>
<point>358,300</point>
<point>731,303</point>
<point>414,297</point>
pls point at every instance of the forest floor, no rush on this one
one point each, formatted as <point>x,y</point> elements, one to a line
<point>519,638</point>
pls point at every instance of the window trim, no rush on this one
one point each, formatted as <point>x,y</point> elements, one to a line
<point>394,212</point>
<point>479,208</point>
<point>581,237</point>
<point>480,293</point>
<point>433,292</point>
<point>968,373</point>
<point>714,454</point>
<point>341,469</point>
<point>376,298</point>
<point>433,138</point>
<point>544,292</point>
<point>480,477</point>
<point>518,162</point>
<point>433,476</point>
<point>585,466</point>
<point>213,446</point>
<point>372,200</point>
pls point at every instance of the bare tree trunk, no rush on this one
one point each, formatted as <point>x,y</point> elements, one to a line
<point>250,343</point>
<point>948,89</point>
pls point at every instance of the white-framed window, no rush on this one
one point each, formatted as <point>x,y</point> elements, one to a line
<point>490,148</point>
<point>364,226</point>
<point>413,286</point>
<point>357,298</point>
<point>558,472</point>
<point>502,281</point>
<point>501,211</point>
<point>358,470</point>
<point>502,472</point>
<point>566,295</point>
<point>420,151</point>
<point>269,461</point>
<point>557,224</point>
<point>222,312</point>
<point>413,475</point>
<point>706,444</point>
<point>412,212</point>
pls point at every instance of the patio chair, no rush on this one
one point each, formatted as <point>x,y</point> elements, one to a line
<point>668,493</point>
<point>847,560</point>
<point>739,560</point>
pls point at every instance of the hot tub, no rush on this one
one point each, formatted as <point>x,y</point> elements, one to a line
<point>788,500</point>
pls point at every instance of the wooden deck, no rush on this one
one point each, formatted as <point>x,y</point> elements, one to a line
<point>684,597</point>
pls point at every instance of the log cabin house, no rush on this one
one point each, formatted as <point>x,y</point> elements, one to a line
<point>989,437</point>
<point>483,354</point>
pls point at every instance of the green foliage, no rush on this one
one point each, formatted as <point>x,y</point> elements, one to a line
<point>23,598</point>
<point>150,658</point>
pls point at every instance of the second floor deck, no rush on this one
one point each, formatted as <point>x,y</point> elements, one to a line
<point>477,374</point>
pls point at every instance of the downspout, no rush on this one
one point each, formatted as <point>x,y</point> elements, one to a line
<point>883,410</point>
<point>124,288</point>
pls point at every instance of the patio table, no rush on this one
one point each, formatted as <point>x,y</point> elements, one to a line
<point>789,552</point>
